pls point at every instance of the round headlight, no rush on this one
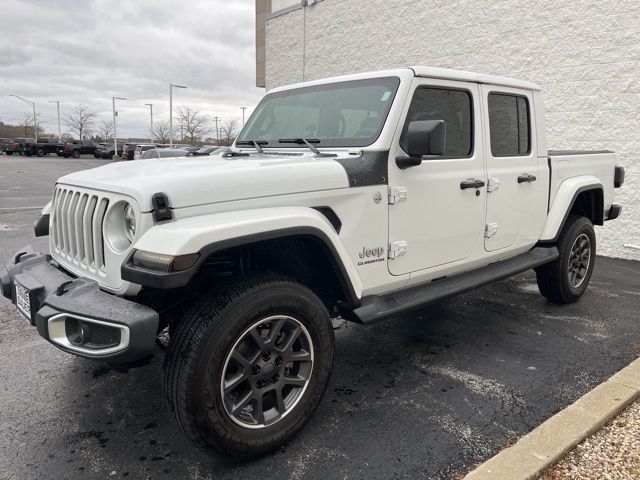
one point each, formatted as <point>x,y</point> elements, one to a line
<point>130,222</point>
<point>120,226</point>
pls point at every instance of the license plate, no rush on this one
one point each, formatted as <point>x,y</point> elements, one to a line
<point>23,301</point>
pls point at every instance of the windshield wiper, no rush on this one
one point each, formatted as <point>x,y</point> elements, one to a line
<point>309,143</point>
<point>253,143</point>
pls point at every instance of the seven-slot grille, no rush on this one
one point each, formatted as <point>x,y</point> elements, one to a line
<point>77,226</point>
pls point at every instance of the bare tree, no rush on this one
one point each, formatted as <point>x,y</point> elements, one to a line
<point>80,120</point>
<point>194,123</point>
<point>26,123</point>
<point>105,131</point>
<point>161,132</point>
<point>228,131</point>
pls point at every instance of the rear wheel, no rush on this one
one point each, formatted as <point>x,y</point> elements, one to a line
<point>76,154</point>
<point>40,152</point>
<point>246,368</point>
<point>9,153</point>
<point>565,279</point>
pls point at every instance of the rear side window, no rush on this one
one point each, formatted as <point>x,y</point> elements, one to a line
<point>452,106</point>
<point>509,125</point>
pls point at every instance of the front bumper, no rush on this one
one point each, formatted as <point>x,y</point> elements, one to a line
<point>75,315</point>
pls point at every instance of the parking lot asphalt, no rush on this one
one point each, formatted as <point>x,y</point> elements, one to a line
<point>27,182</point>
<point>424,396</point>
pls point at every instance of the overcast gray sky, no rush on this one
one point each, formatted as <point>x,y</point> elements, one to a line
<point>86,51</point>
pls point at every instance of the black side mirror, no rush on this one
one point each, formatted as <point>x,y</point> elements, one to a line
<point>424,138</point>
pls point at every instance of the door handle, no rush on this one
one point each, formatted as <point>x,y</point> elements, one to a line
<point>471,183</point>
<point>526,178</point>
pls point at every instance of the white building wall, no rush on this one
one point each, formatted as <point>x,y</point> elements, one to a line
<point>584,53</point>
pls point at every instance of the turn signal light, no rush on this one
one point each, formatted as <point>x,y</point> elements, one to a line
<point>164,263</point>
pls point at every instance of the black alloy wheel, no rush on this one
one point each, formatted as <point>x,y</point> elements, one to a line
<point>267,371</point>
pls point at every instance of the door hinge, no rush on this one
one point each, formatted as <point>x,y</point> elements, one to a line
<point>490,230</point>
<point>397,194</point>
<point>493,184</point>
<point>397,249</point>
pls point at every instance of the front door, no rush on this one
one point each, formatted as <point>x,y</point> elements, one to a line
<point>517,200</point>
<point>436,218</point>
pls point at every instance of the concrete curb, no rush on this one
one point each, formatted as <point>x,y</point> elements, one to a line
<point>552,440</point>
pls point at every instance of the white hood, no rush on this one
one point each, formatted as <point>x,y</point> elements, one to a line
<point>190,181</point>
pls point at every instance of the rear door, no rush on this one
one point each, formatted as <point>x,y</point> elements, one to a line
<point>517,189</point>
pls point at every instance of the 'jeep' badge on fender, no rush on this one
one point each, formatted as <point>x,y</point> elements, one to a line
<point>371,255</point>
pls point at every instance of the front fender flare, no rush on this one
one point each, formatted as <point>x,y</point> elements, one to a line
<point>207,234</point>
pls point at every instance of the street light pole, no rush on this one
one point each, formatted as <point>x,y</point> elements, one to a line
<point>217,131</point>
<point>171,85</point>
<point>243,109</point>
<point>59,129</point>
<point>115,131</point>
<point>35,122</point>
<point>151,111</point>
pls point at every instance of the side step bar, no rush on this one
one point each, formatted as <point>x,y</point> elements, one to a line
<point>376,308</point>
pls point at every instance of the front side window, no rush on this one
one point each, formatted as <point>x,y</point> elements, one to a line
<point>509,125</point>
<point>454,108</point>
<point>343,114</point>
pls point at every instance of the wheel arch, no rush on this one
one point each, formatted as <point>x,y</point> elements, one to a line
<point>302,245</point>
<point>304,254</point>
<point>574,197</point>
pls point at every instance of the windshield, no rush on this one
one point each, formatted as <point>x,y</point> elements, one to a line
<point>344,114</point>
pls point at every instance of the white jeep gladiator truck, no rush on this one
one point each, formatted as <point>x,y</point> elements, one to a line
<point>365,196</point>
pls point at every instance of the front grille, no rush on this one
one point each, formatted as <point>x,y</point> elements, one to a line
<point>77,220</point>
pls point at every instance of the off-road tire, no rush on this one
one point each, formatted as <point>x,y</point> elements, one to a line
<point>554,278</point>
<point>203,338</point>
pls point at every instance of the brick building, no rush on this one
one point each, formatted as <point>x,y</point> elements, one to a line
<point>584,54</point>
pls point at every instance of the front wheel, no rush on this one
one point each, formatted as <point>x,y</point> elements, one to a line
<point>247,366</point>
<point>565,279</point>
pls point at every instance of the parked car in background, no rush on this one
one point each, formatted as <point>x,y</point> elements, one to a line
<point>191,150</point>
<point>4,142</point>
<point>204,150</point>
<point>128,151</point>
<point>163,153</point>
<point>17,146</point>
<point>142,148</point>
<point>76,148</point>
<point>44,146</point>
<point>106,151</point>
<point>220,151</point>
<point>100,147</point>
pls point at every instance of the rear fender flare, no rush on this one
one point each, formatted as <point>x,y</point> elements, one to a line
<point>563,202</point>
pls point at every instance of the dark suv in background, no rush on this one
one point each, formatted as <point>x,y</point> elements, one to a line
<point>43,147</point>
<point>106,151</point>
<point>4,142</point>
<point>76,148</point>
